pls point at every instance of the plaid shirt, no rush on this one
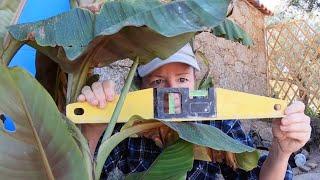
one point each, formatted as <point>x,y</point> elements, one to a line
<point>137,154</point>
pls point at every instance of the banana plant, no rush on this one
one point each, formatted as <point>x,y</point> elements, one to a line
<point>46,143</point>
<point>9,14</point>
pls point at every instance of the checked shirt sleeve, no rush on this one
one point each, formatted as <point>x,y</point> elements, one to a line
<point>233,129</point>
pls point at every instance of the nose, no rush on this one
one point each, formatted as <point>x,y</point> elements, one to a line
<point>171,83</point>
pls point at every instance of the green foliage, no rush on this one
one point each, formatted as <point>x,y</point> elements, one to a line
<point>107,146</point>
<point>208,136</point>
<point>9,13</point>
<point>79,39</point>
<point>45,144</point>
<point>206,82</point>
<point>231,31</point>
<point>151,19</point>
<point>8,10</point>
<point>311,113</point>
<point>173,163</point>
<point>247,160</point>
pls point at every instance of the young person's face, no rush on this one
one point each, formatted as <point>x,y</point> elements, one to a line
<point>173,75</point>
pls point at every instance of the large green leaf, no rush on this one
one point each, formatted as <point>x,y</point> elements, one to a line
<point>9,13</point>
<point>212,137</point>
<point>173,163</point>
<point>45,145</point>
<point>122,29</point>
<point>208,136</point>
<point>231,31</point>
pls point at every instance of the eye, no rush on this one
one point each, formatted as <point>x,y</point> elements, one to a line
<point>182,80</point>
<point>157,82</point>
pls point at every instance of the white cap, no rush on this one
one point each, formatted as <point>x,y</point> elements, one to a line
<point>184,55</point>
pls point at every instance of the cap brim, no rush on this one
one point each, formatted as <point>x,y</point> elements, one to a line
<point>144,70</point>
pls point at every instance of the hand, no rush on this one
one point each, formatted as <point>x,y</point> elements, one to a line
<point>97,95</point>
<point>293,131</point>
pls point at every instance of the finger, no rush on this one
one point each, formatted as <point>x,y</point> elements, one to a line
<point>109,90</point>
<point>297,127</point>
<point>89,96</point>
<point>276,121</point>
<point>164,132</point>
<point>295,118</point>
<point>157,140</point>
<point>81,98</point>
<point>300,136</point>
<point>99,94</point>
<point>148,134</point>
<point>295,107</point>
<point>155,136</point>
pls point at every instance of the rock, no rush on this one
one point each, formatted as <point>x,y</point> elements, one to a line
<point>238,67</point>
<point>312,165</point>
<point>300,159</point>
<point>265,132</point>
<point>304,168</point>
<point>308,176</point>
<point>305,153</point>
<point>296,171</point>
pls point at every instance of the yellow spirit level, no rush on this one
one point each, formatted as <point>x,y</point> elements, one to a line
<point>198,105</point>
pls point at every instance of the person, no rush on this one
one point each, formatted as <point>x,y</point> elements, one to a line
<point>137,154</point>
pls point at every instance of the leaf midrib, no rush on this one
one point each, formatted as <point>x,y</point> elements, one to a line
<point>34,132</point>
<point>136,15</point>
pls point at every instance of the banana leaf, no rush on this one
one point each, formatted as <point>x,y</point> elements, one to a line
<point>146,29</point>
<point>45,145</point>
<point>197,134</point>
<point>231,31</point>
<point>122,29</point>
<point>173,163</point>
<point>10,11</point>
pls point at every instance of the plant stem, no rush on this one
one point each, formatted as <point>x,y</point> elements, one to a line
<point>77,79</point>
<point>74,4</point>
<point>120,102</point>
<point>107,146</point>
<point>69,87</point>
<point>10,50</point>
